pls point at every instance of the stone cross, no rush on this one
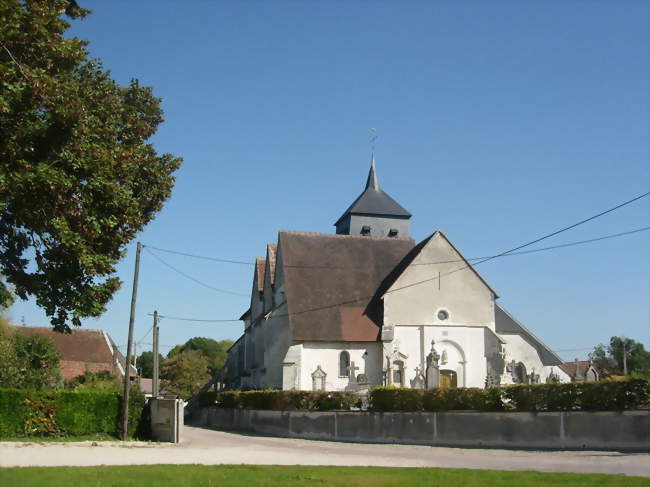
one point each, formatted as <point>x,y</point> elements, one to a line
<point>352,382</point>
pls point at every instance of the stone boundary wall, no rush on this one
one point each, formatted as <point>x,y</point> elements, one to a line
<point>599,430</point>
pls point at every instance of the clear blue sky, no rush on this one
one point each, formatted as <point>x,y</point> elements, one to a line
<point>498,121</point>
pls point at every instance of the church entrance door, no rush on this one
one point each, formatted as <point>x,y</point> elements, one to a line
<point>447,379</point>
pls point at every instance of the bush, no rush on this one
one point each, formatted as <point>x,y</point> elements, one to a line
<point>271,399</point>
<point>632,393</point>
<point>65,412</point>
<point>462,399</point>
<point>391,398</point>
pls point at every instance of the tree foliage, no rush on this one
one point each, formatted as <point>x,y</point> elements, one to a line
<point>28,361</point>
<point>145,364</point>
<point>215,351</point>
<point>186,373</point>
<point>78,179</point>
<point>609,359</point>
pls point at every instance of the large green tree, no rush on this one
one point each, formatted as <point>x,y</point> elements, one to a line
<point>186,373</point>
<point>145,364</point>
<point>609,359</point>
<point>215,351</point>
<point>78,178</point>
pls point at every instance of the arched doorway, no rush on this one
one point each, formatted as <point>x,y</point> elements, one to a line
<point>448,379</point>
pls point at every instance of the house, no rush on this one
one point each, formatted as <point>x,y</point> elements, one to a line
<point>82,350</point>
<point>581,371</point>
<point>367,306</point>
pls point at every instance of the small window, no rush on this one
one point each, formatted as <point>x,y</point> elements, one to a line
<point>344,364</point>
<point>443,315</point>
<point>365,230</point>
<point>393,232</point>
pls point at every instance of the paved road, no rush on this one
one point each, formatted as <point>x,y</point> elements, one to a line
<point>210,447</point>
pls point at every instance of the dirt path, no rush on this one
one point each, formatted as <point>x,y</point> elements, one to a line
<point>210,447</point>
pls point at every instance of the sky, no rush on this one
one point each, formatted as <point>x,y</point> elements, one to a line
<point>497,122</point>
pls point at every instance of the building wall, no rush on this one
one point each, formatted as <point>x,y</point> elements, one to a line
<point>464,349</point>
<point>327,355</point>
<point>418,294</point>
<point>520,350</point>
<point>379,226</point>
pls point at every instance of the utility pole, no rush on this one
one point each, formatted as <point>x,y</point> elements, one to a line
<point>624,359</point>
<point>127,361</point>
<point>156,363</point>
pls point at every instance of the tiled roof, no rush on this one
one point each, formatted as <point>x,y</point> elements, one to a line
<point>570,367</point>
<point>271,251</point>
<point>260,267</point>
<point>330,280</point>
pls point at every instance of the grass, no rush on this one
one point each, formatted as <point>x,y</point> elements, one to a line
<point>252,476</point>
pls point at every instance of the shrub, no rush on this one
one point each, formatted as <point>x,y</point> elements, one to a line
<point>395,399</point>
<point>632,393</point>
<point>462,399</point>
<point>65,412</point>
<point>270,399</point>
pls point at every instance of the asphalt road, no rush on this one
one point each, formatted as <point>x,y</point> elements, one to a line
<point>208,447</point>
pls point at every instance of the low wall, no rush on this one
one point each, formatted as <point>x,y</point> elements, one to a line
<point>601,430</point>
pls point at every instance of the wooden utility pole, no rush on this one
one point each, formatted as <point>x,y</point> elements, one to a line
<point>156,363</point>
<point>127,361</point>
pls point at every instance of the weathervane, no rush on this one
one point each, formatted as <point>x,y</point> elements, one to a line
<point>373,138</point>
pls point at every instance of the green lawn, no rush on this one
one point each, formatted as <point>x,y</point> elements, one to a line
<point>251,476</point>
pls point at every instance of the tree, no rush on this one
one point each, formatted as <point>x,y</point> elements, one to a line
<point>609,359</point>
<point>145,364</point>
<point>78,179</point>
<point>186,373</point>
<point>215,351</point>
<point>28,361</point>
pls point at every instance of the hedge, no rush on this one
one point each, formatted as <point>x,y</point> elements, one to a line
<point>575,396</point>
<point>281,400</point>
<point>66,413</point>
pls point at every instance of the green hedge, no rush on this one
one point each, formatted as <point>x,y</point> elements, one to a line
<point>66,413</point>
<point>281,400</point>
<point>576,396</point>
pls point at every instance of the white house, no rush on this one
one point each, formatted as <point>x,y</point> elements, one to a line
<point>367,306</point>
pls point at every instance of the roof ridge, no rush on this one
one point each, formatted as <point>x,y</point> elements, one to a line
<point>337,235</point>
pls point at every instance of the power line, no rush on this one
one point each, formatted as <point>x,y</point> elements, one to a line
<point>522,252</point>
<point>469,266</point>
<point>176,318</point>
<point>215,259</point>
<point>527,244</point>
<point>187,276</point>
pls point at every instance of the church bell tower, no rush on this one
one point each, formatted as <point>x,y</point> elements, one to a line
<point>374,213</point>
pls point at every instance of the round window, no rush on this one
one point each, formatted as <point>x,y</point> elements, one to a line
<point>443,315</point>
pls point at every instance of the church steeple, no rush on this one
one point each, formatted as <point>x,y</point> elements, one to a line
<point>374,213</point>
<point>372,182</point>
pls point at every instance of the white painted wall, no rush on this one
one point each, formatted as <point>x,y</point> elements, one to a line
<point>519,350</point>
<point>461,292</point>
<point>326,354</point>
<point>465,347</point>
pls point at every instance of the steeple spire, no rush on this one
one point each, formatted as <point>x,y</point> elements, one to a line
<point>372,182</point>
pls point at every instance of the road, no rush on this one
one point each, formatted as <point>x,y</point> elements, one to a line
<point>208,447</point>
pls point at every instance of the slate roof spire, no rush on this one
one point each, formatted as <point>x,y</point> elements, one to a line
<point>376,205</point>
<point>372,182</point>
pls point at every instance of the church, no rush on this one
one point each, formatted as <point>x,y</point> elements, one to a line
<point>367,306</point>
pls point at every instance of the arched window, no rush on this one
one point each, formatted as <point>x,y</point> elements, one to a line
<point>344,364</point>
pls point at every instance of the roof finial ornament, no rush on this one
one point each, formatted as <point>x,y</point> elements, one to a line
<point>372,176</point>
